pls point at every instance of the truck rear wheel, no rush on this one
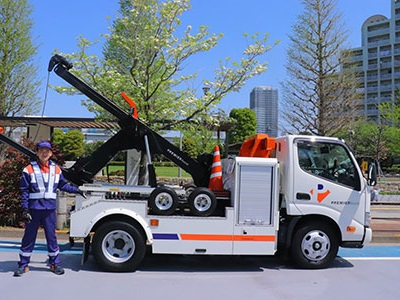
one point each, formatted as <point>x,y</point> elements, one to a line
<point>118,247</point>
<point>314,246</point>
<point>202,202</point>
<point>163,201</point>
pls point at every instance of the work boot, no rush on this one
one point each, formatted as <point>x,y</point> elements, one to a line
<point>21,271</point>
<point>56,269</point>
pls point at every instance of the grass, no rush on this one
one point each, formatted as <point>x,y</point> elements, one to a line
<point>170,172</point>
<point>160,171</point>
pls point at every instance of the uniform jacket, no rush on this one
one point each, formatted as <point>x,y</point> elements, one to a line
<point>39,185</point>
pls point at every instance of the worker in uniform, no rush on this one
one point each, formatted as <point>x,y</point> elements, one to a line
<point>39,183</point>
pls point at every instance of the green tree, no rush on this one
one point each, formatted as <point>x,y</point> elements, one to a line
<point>245,125</point>
<point>58,138</point>
<point>189,146</point>
<point>18,74</point>
<point>71,143</point>
<point>390,111</point>
<point>145,54</point>
<point>10,175</point>
<point>92,147</point>
<point>202,139</point>
<point>392,138</point>
<point>368,139</point>
<point>319,95</point>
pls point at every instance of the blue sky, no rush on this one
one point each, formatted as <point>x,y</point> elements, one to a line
<point>57,25</point>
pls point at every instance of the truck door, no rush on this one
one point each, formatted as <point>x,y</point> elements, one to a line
<point>256,196</point>
<point>327,180</point>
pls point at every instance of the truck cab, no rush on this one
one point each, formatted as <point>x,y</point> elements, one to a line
<point>324,198</point>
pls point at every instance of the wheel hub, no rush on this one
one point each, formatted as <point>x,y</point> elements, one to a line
<point>202,203</point>
<point>315,245</point>
<point>164,201</point>
<point>118,246</point>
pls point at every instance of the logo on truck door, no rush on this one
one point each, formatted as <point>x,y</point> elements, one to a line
<point>322,193</point>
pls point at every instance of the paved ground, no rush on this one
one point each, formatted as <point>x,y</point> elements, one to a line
<point>385,223</point>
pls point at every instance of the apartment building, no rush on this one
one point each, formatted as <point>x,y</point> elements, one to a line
<point>377,61</point>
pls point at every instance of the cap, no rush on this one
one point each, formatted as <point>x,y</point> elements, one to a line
<point>44,144</point>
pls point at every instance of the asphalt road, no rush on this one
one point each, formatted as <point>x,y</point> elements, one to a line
<point>207,277</point>
<point>369,273</point>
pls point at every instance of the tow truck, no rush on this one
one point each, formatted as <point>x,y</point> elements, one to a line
<point>302,195</point>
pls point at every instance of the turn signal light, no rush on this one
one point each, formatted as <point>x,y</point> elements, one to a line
<point>153,222</point>
<point>351,229</point>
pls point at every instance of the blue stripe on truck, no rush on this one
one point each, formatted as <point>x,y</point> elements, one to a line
<point>165,236</point>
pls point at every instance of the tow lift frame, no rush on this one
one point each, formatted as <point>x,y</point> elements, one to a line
<point>133,134</point>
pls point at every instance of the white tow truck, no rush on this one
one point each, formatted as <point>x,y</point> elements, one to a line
<point>309,200</point>
<point>303,196</point>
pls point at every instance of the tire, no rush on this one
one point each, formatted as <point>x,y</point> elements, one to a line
<point>189,188</point>
<point>314,246</point>
<point>202,202</point>
<point>118,247</point>
<point>163,201</point>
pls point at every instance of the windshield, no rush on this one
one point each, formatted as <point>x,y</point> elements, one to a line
<point>330,161</point>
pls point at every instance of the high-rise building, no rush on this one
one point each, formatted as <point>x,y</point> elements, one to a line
<point>377,61</point>
<point>264,102</point>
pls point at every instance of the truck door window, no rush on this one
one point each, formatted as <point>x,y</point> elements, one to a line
<point>330,161</point>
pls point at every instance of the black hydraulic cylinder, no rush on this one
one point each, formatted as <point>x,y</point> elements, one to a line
<point>21,148</point>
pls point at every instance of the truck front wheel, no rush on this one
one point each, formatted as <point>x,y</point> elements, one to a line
<point>314,246</point>
<point>118,247</point>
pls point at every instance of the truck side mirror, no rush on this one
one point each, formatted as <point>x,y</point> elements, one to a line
<point>372,175</point>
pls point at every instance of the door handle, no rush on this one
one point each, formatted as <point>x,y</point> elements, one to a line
<point>303,196</point>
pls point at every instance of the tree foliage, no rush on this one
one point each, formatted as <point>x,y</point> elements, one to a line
<point>368,139</point>
<point>71,143</point>
<point>390,111</point>
<point>244,125</point>
<point>377,141</point>
<point>189,146</point>
<point>18,74</point>
<point>90,148</point>
<point>319,96</point>
<point>10,175</point>
<point>145,54</point>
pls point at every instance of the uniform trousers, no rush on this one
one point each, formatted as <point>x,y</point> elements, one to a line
<point>46,218</point>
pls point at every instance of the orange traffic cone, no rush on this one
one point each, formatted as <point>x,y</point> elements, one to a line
<point>215,182</point>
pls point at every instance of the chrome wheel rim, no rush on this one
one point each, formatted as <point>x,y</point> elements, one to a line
<point>315,245</point>
<point>202,202</point>
<point>118,246</point>
<point>164,201</point>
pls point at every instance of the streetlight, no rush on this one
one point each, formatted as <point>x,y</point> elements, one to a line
<point>206,89</point>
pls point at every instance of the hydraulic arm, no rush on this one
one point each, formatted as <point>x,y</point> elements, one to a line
<point>134,134</point>
<point>32,155</point>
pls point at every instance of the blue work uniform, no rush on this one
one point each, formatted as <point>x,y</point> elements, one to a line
<point>38,188</point>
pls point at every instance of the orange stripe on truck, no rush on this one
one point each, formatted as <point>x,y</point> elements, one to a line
<point>223,237</point>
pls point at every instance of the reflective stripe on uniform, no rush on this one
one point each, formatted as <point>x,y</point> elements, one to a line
<point>25,254</point>
<point>51,179</point>
<point>54,253</point>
